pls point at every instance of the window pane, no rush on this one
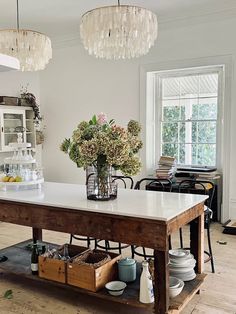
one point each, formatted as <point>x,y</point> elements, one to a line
<point>182,112</point>
<point>195,111</point>
<point>181,154</point>
<point>207,132</point>
<point>194,132</point>
<point>194,155</point>
<point>204,154</point>
<point>170,150</point>
<point>171,110</point>
<point>182,132</point>
<point>207,109</point>
<point>208,85</point>
<point>170,132</point>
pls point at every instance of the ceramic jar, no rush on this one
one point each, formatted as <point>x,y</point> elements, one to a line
<point>127,269</point>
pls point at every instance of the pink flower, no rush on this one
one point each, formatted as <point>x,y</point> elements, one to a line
<point>102,118</point>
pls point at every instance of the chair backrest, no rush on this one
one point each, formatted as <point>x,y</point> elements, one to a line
<point>127,181</point>
<point>201,186</point>
<point>154,183</point>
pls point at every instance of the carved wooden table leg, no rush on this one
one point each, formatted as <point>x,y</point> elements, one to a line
<point>37,234</point>
<point>197,242</point>
<point>161,287</point>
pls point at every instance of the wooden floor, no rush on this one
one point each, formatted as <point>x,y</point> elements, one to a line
<point>218,294</point>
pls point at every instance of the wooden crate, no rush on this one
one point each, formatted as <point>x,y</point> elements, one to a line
<point>86,277</point>
<point>54,269</point>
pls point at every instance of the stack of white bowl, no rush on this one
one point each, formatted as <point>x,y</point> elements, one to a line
<point>182,264</point>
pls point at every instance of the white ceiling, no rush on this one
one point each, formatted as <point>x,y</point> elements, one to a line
<point>61,17</point>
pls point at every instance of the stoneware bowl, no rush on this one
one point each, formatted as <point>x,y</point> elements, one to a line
<point>174,282</point>
<point>173,292</point>
<point>115,288</point>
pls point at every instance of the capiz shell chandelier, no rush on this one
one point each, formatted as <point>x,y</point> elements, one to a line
<point>31,48</point>
<point>119,31</point>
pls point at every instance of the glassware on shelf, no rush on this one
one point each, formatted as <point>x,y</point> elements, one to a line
<point>21,170</point>
<point>65,256</point>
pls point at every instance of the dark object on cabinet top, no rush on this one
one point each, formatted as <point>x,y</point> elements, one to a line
<point>8,101</point>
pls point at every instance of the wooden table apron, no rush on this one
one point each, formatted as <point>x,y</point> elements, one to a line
<point>131,230</point>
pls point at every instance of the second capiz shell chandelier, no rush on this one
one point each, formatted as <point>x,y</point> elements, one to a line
<point>119,31</point>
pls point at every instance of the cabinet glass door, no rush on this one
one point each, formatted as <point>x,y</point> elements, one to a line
<point>13,122</point>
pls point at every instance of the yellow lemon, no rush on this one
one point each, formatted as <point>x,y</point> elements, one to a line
<point>18,179</point>
<point>5,179</point>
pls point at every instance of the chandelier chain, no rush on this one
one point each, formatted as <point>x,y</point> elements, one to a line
<point>17,14</point>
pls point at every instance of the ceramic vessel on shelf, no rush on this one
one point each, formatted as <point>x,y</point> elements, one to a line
<point>182,265</point>
<point>146,287</point>
<point>115,288</point>
<point>127,269</point>
<point>173,282</point>
<point>176,286</point>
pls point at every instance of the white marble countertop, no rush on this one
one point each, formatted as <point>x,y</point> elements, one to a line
<point>132,203</point>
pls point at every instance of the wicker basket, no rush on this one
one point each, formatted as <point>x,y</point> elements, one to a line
<point>93,259</point>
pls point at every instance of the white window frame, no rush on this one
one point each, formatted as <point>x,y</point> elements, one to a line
<point>158,105</point>
<point>148,117</point>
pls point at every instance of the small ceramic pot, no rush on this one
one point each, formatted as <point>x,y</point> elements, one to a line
<point>127,269</point>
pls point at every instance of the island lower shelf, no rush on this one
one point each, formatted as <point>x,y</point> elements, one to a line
<point>18,263</point>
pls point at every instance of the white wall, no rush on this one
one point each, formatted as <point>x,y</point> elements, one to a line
<point>11,83</point>
<point>75,86</point>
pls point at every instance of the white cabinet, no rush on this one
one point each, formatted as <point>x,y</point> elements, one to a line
<point>13,119</point>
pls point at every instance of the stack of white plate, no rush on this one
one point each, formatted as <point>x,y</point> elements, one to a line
<point>182,264</point>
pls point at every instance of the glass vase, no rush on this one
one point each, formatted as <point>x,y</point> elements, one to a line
<point>100,186</point>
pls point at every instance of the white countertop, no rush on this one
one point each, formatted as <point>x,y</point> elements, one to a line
<point>133,203</point>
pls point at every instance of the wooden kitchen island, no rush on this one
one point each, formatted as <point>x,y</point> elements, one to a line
<point>143,218</point>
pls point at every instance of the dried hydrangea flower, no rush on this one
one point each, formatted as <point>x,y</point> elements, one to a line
<point>100,143</point>
<point>134,127</point>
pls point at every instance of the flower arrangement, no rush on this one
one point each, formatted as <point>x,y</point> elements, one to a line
<point>100,142</point>
<point>30,100</point>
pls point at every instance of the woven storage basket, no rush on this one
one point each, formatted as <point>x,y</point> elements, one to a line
<point>93,259</point>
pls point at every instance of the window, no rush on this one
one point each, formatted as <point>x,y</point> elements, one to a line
<point>210,100</point>
<point>187,107</point>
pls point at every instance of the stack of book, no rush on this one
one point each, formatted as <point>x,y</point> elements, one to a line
<point>166,167</point>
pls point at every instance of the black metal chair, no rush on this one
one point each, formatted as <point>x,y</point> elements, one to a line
<point>127,182</point>
<point>206,188</point>
<point>164,185</point>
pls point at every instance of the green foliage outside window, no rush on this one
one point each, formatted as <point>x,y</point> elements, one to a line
<point>199,130</point>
